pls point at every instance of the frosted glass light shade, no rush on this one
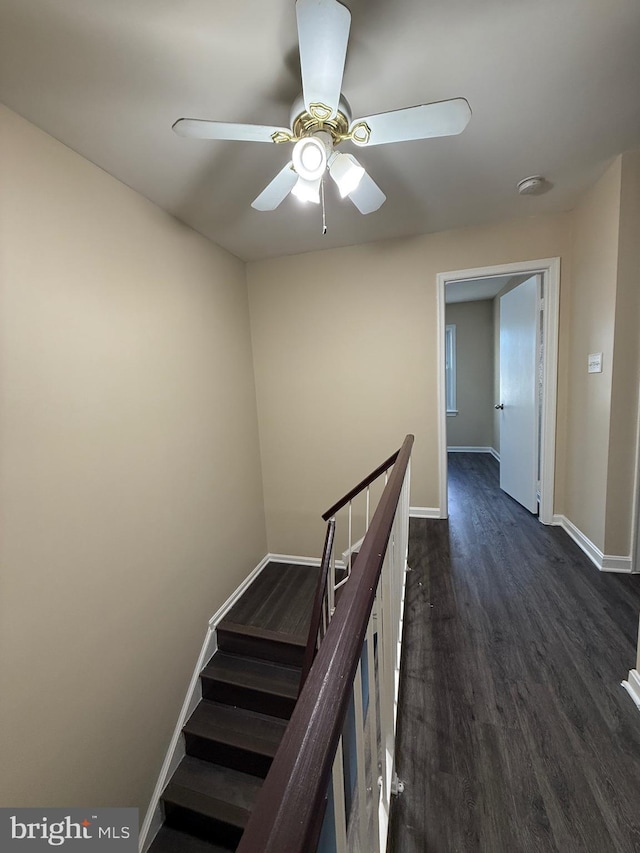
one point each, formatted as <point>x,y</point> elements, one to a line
<point>309,158</point>
<point>307,190</point>
<point>346,172</point>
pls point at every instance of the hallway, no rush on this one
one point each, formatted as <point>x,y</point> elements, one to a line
<point>515,735</point>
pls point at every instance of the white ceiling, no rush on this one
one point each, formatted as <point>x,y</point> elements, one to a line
<point>475,289</point>
<point>554,86</point>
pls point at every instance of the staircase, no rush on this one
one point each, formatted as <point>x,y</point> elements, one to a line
<point>249,690</point>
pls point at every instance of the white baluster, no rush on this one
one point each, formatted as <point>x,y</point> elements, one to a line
<point>374,757</point>
<point>349,548</point>
<point>331,584</point>
<point>339,811</point>
<point>358,705</point>
<point>366,522</point>
<point>387,685</point>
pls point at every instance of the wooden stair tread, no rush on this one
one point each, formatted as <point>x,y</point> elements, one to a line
<point>260,675</point>
<point>249,689</point>
<point>262,633</point>
<point>280,598</point>
<point>215,791</point>
<point>236,727</point>
<point>258,642</point>
<point>169,840</point>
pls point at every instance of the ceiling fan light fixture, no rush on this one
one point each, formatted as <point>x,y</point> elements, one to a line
<point>346,172</point>
<point>305,190</point>
<point>321,119</point>
<point>310,158</point>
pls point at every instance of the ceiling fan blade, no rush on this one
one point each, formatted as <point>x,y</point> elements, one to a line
<point>199,129</point>
<point>367,196</point>
<point>276,192</point>
<point>442,118</point>
<point>323,33</point>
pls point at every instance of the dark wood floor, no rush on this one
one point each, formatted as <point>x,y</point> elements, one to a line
<point>514,732</point>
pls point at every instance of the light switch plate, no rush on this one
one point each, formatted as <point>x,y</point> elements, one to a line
<point>595,362</point>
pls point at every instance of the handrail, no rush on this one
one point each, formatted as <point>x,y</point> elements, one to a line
<point>321,588</point>
<point>316,613</point>
<point>361,486</point>
<point>285,816</point>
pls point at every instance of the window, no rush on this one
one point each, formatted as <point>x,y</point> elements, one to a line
<point>450,368</point>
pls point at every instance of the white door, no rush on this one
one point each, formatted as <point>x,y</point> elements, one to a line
<point>519,339</point>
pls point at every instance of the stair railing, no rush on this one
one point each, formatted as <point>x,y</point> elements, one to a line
<point>328,584</point>
<point>320,614</point>
<point>330,784</point>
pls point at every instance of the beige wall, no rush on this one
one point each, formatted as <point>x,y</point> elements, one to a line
<point>345,353</point>
<point>591,330</point>
<point>623,436</point>
<point>473,425</point>
<point>345,361</point>
<point>131,498</point>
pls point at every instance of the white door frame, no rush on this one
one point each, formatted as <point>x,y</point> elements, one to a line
<point>635,518</point>
<point>550,271</point>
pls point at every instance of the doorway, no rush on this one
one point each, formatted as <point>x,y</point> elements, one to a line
<point>548,273</point>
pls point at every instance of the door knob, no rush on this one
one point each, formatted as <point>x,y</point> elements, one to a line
<point>499,406</point>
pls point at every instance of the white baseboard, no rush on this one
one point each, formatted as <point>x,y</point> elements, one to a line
<point>289,558</point>
<point>312,562</point>
<point>622,565</point>
<point>471,450</point>
<point>153,818</point>
<point>604,562</point>
<point>611,562</point>
<point>347,554</point>
<point>632,686</point>
<point>237,594</point>
<point>591,550</point>
<point>424,512</point>
<point>490,450</point>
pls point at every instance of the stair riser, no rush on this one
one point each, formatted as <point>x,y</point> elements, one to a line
<point>245,697</point>
<point>257,647</point>
<point>227,756</point>
<point>207,828</point>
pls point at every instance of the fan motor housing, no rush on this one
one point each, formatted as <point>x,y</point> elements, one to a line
<point>303,123</point>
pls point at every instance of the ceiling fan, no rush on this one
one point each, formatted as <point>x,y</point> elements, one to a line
<point>321,119</point>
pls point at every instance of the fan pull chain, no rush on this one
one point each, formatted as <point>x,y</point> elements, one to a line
<point>324,212</point>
